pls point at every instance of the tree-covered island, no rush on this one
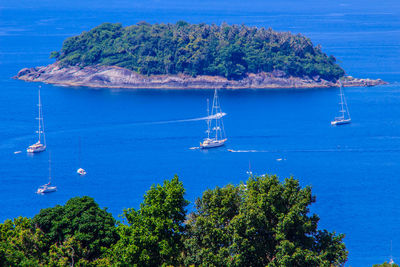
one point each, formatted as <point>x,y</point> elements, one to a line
<point>198,49</point>
<point>190,55</point>
<point>263,222</point>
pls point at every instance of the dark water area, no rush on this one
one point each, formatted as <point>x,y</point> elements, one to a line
<point>131,139</point>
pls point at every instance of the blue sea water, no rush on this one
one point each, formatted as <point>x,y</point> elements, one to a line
<point>131,139</point>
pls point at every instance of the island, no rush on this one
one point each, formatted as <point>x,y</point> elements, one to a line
<point>191,56</point>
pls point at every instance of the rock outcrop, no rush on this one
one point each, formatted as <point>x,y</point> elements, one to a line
<point>116,77</point>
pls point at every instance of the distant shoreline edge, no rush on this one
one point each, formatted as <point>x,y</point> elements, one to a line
<point>101,76</point>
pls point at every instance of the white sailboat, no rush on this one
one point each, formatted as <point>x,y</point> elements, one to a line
<point>344,117</point>
<point>39,146</point>
<point>47,188</point>
<point>215,127</point>
<point>249,172</point>
<point>391,262</point>
<point>80,171</point>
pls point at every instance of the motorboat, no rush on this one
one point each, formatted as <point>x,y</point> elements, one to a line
<point>81,171</point>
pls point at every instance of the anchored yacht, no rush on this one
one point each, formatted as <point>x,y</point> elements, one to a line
<point>215,126</point>
<point>39,146</point>
<point>344,117</point>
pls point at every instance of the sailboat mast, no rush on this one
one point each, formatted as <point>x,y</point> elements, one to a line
<point>217,113</point>
<point>344,108</point>
<point>347,108</point>
<point>341,101</point>
<point>214,112</point>
<point>39,120</point>
<point>80,152</point>
<point>49,167</point>
<point>208,119</point>
<point>250,172</point>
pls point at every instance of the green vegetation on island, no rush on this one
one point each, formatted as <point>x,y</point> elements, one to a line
<point>230,51</point>
<point>260,223</point>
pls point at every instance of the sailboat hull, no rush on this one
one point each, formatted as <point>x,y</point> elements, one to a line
<point>36,148</point>
<point>209,143</point>
<point>340,122</point>
<point>47,189</point>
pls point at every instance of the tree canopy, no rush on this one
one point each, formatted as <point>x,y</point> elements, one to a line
<point>260,223</point>
<point>231,51</point>
<point>154,234</point>
<point>89,229</point>
<point>263,222</point>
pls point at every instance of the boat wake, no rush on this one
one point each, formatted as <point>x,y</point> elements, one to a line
<point>97,128</point>
<point>357,150</point>
<point>218,115</point>
<point>245,151</point>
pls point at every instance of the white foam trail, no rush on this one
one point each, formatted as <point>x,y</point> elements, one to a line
<point>99,128</point>
<point>245,151</point>
<point>355,150</point>
<point>218,115</point>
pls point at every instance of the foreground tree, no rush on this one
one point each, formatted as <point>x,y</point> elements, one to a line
<point>20,245</point>
<point>263,222</point>
<point>154,235</point>
<point>78,232</point>
<point>260,223</point>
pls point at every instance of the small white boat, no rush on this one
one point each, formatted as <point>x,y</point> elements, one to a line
<point>39,146</point>
<point>344,117</point>
<point>215,127</point>
<point>81,171</point>
<point>47,188</point>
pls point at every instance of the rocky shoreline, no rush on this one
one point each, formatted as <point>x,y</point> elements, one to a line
<point>100,76</point>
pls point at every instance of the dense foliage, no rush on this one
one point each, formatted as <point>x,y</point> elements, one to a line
<point>80,224</point>
<point>260,223</point>
<point>154,234</point>
<point>230,51</point>
<point>385,264</point>
<point>78,232</point>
